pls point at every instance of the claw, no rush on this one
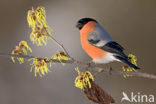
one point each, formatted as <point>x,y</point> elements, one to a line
<point>110,70</point>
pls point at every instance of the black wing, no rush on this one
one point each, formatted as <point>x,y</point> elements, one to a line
<point>112,47</point>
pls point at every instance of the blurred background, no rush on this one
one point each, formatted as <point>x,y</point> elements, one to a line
<point>132,23</point>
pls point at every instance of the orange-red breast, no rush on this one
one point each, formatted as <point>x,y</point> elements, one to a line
<point>98,44</point>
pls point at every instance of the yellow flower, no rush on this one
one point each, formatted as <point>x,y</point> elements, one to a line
<point>31,18</point>
<point>133,60</point>
<point>21,49</point>
<point>41,16</point>
<point>37,17</point>
<point>40,66</point>
<point>17,52</point>
<point>39,36</point>
<point>24,46</point>
<point>40,30</point>
<point>83,79</point>
<point>61,56</point>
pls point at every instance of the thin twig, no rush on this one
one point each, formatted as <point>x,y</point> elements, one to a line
<point>86,65</point>
<point>60,45</point>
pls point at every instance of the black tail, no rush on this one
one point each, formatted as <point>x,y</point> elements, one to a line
<point>127,62</point>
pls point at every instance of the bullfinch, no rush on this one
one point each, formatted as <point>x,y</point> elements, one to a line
<point>99,45</point>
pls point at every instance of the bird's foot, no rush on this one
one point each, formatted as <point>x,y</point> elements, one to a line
<point>110,70</point>
<point>91,63</point>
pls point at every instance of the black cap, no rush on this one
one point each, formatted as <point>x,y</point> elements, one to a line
<point>83,21</point>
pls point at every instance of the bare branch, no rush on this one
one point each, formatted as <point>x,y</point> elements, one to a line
<point>88,66</point>
<point>60,45</point>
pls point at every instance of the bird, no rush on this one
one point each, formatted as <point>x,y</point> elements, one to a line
<point>99,45</point>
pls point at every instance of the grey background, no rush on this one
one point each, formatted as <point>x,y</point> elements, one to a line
<point>132,23</point>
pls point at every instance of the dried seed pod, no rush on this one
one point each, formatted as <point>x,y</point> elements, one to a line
<point>97,94</point>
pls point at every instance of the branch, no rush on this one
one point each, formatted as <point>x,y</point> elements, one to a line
<point>89,66</point>
<point>60,45</point>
